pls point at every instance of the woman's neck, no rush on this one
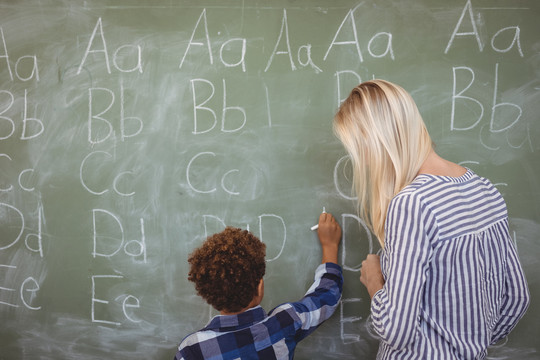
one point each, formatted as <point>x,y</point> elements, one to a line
<point>436,165</point>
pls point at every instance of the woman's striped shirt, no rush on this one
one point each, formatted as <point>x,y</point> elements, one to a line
<point>453,281</point>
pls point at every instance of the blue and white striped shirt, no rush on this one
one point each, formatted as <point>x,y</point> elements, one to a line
<point>453,281</point>
<point>254,335</point>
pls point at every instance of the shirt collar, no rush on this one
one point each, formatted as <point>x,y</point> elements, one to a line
<point>247,318</point>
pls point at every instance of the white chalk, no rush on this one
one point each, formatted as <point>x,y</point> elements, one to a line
<point>315,227</point>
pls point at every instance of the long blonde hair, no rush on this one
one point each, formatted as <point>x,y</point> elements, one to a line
<point>382,130</point>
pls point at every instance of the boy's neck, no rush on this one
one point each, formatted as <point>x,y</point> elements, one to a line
<point>225,313</point>
<point>254,302</point>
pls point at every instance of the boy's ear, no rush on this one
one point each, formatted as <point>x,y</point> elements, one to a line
<point>260,289</point>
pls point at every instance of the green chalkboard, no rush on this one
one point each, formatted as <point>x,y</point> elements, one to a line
<point>131,130</point>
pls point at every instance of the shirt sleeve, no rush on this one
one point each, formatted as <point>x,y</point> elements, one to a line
<point>320,301</point>
<point>395,309</point>
<point>516,299</point>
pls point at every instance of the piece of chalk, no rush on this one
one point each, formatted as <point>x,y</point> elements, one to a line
<point>315,227</point>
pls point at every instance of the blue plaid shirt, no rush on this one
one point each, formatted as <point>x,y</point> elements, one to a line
<point>253,334</point>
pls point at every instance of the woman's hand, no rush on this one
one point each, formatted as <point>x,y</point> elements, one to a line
<point>371,274</point>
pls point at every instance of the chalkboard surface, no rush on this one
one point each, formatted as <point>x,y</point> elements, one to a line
<point>131,130</point>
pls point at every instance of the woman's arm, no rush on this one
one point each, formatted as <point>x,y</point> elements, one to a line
<point>516,298</point>
<point>395,307</point>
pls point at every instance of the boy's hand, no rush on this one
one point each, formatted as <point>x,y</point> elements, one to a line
<point>329,233</point>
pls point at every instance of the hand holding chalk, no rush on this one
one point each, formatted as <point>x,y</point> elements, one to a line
<point>329,233</point>
<point>315,227</point>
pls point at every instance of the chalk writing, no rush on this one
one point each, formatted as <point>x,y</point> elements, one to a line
<point>241,61</point>
<point>468,10</point>
<point>34,70</point>
<point>19,215</point>
<point>284,228</point>
<point>494,123</point>
<point>342,163</point>
<point>28,286</point>
<point>191,43</point>
<point>388,49</point>
<point>22,175</point>
<point>25,133</point>
<point>267,96</point>
<point>354,41</point>
<point>92,116</point>
<point>223,50</point>
<point>283,31</point>
<point>120,176</point>
<point>98,30</point>
<point>198,106</point>
<point>223,178</point>
<point>38,237</point>
<point>128,302</point>
<point>3,288</point>
<point>348,337</point>
<point>344,243</point>
<point>133,248</point>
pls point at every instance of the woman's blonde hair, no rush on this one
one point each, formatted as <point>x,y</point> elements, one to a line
<point>387,141</point>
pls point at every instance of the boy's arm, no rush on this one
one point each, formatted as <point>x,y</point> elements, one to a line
<point>329,233</point>
<point>320,301</point>
<point>322,298</point>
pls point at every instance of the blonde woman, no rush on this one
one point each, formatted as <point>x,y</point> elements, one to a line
<point>448,283</point>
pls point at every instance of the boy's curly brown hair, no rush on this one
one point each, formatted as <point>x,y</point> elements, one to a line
<point>227,269</point>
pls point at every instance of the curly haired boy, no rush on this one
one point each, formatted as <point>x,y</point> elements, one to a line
<point>228,271</point>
